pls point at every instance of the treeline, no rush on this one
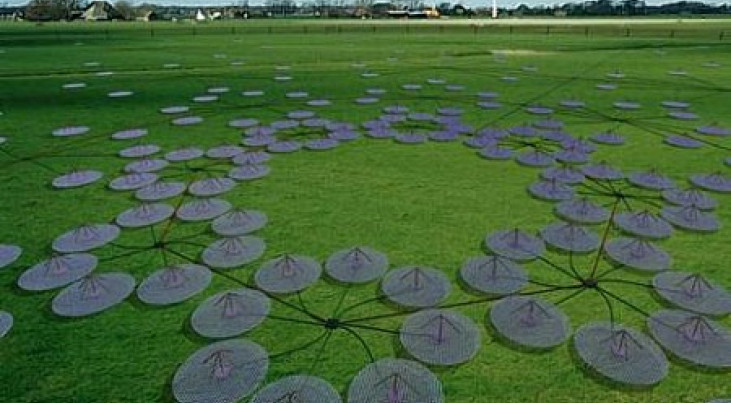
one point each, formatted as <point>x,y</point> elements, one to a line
<point>602,8</point>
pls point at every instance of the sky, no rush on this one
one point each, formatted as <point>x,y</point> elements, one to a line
<point>470,3</point>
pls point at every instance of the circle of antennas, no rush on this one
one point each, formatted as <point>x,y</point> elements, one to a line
<point>288,273</point>
<point>638,254</point>
<point>230,313</point>
<point>9,254</point>
<point>85,238</point>
<point>57,271</point>
<point>239,222</point>
<point>93,293</point>
<point>493,275</point>
<point>232,252</point>
<point>416,286</point>
<point>621,354</point>
<point>693,292</point>
<point>515,244</point>
<point>392,379</point>
<point>692,337</point>
<point>174,284</point>
<point>440,337</point>
<point>529,322</point>
<point>298,388</point>
<point>357,265</point>
<point>223,372</point>
<point>6,323</point>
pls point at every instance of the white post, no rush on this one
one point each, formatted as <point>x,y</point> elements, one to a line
<point>494,9</point>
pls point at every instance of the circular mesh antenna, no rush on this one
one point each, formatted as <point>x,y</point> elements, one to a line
<point>160,191</point>
<point>627,105</point>
<point>140,151</point>
<point>57,271</point>
<point>693,292</point>
<point>602,171</point>
<point>9,254</point>
<point>713,131</point>
<point>515,244</point>
<point>174,284</point>
<point>643,224</point>
<point>187,121</point>
<point>535,158</point>
<point>440,337</point>
<point>416,286</point>
<point>651,180</point>
<point>184,154</point>
<point>133,181</point>
<point>570,237</point>
<point>233,251</point>
<point>129,134</point>
<point>690,197</point>
<point>582,211</point>
<point>298,389</point>
<point>249,172</point>
<point>145,215</point>
<point>93,293</point>
<point>230,313</point>
<point>252,157</point>
<point>497,153</point>
<point>493,274</point>
<point>203,209</point>
<point>683,115</point>
<point>321,144</point>
<point>395,380</point>
<point>86,237</point>
<point>223,372</point>
<point>224,151</point>
<point>211,187</point>
<point>6,323</point>
<point>174,110</point>
<point>551,190</point>
<point>205,98</point>
<point>530,322</point>
<point>621,354</point>
<point>682,142</point>
<point>715,182</point>
<point>566,174</point>
<point>239,222</point>
<point>692,337</point>
<point>638,254</point>
<point>146,165</point>
<point>243,123</point>
<point>691,218</point>
<point>120,94</point>
<point>76,179</point>
<point>70,131</point>
<point>359,264</point>
<point>289,273</point>
<point>410,138</point>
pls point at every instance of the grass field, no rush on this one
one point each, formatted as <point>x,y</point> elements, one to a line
<point>429,204</point>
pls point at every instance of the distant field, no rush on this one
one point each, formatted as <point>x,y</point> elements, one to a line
<point>430,204</point>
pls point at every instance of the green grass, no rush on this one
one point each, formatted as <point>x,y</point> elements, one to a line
<point>428,204</point>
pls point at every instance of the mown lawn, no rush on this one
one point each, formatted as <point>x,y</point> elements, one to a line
<point>429,204</point>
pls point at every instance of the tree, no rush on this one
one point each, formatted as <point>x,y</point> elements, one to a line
<point>126,9</point>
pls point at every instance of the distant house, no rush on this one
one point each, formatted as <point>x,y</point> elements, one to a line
<point>101,11</point>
